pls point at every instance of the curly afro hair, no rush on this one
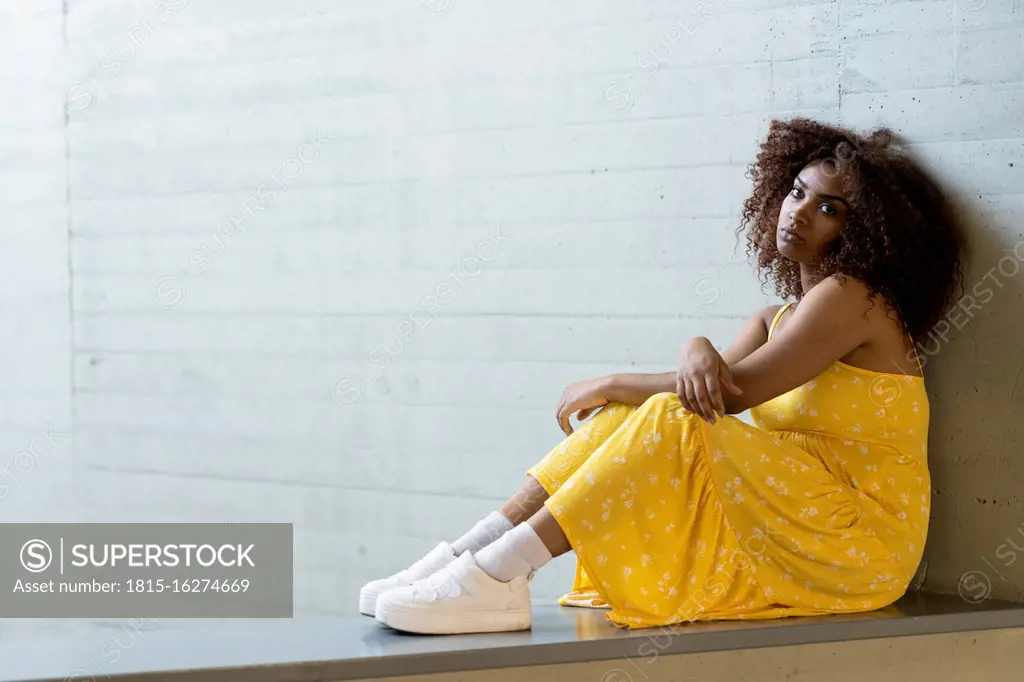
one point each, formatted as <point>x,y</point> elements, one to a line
<point>902,237</point>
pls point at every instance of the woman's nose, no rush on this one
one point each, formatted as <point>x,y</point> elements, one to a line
<point>799,213</point>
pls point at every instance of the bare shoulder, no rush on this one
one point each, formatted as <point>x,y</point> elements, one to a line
<point>835,306</point>
<point>840,287</point>
<point>847,300</point>
<point>841,295</point>
<point>846,308</point>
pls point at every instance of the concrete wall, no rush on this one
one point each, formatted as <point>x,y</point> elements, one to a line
<point>35,333</point>
<point>256,200</point>
<point>36,453</point>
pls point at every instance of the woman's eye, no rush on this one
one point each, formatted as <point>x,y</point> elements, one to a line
<point>828,210</point>
<point>797,192</point>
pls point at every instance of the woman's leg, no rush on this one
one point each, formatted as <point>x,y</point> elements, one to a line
<point>545,477</point>
<point>527,501</point>
<point>508,555</point>
<point>505,563</point>
<point>549,532</point>
<point>562,461</point>
<point>527,547</point>
<point>518,508</point>
<point>528,504</point>
<point>486,591</point>
<point>558,466</point>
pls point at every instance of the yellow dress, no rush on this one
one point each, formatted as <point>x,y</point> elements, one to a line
<point>823,507</point>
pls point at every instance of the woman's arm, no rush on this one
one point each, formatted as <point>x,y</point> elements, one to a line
<point>751,336</point>
<point>634,389</point>
<point>829,323</point>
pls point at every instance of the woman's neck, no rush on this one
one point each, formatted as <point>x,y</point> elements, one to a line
<point>807,277</point>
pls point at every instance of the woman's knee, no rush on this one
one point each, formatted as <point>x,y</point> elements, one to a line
<point>609,417</point>
<point>616,408</point>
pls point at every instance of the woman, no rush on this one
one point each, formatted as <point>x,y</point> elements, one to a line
<point>678,512</point>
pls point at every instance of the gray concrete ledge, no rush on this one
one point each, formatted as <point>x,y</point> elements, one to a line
<point>345,648</point>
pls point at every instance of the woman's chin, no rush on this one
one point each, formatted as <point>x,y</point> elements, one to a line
<point>789,250</point>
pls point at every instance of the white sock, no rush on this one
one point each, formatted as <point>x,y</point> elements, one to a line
<point>516,553</point>
<point>486,531</point>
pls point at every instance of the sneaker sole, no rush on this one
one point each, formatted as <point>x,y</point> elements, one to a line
<point>421,623</point>
<point>368,603</point>
<point>367,606</point>
<point>368,600</point>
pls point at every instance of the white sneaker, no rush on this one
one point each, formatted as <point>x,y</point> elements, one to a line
<point>457,599</point>
<point>439,557</point>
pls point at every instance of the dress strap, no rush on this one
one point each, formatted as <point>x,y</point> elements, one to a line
<point>917,356</point>
<point>778,315</point>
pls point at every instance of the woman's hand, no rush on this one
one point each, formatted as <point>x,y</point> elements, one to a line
<point>699,380</point>
<point>583,396</point>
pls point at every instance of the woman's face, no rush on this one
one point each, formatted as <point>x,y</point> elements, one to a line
<point>813,213</point>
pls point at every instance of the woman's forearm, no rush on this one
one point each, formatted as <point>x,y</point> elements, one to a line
<point>635,389</point>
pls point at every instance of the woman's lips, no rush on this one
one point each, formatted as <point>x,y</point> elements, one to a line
<point>788,235</point>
